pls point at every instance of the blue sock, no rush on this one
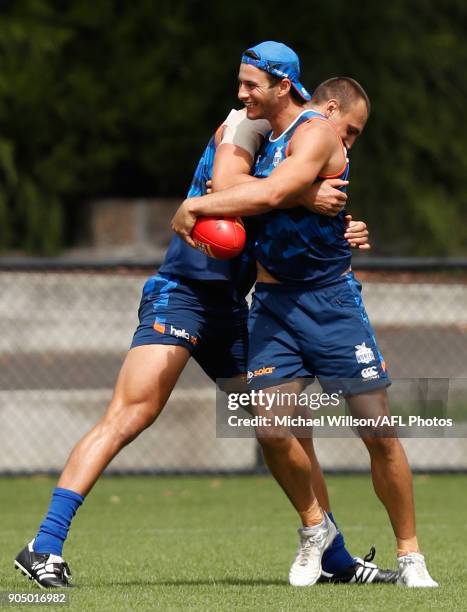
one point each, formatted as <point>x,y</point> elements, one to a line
<point>336,558</point>
<point>54,528</point>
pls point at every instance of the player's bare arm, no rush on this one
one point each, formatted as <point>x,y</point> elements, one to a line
<point>232,166</point>
<point>311,154</point>
<point>233,163</point>
<point>237,145</point>
<point>236,148</point>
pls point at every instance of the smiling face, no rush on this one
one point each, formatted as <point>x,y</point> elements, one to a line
<point>255,90</point>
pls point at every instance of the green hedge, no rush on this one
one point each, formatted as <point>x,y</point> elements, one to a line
<point>119,98</point>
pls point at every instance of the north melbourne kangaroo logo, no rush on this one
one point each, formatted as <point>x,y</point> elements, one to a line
<point>277,157</point>
<point>364,354</point>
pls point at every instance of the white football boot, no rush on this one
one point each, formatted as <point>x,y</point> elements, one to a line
<point>306,568</point>
<point>413,572</point>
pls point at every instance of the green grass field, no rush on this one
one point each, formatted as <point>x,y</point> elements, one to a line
<point>147,543</point>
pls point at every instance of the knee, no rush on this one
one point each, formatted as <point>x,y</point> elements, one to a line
<point>387,447</point>
<point>273,443</point>
<point>124,423</point>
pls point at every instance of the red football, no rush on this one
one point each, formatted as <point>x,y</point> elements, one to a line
<point>219,237</point>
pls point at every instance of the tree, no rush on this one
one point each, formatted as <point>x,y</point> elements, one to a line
<point>117,98</point>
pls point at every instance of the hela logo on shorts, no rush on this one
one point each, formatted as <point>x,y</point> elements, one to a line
<point>364,354</point>
<point>261,372</point>
<point>369,373</point>
<point>175,331</point>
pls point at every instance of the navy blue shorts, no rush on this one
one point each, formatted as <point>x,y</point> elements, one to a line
<point>306,333</point>
<point>199,315</point>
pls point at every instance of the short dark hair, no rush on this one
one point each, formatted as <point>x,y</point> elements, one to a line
<point>344,89</point>
<point>273,80</point>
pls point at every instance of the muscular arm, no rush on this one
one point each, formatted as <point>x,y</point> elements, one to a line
<point>311,152</point>
<point>236,148</point>
<point>232,166</point>
<point>237,144</point>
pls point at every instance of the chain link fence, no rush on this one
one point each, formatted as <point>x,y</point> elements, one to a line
<point>66,328</point>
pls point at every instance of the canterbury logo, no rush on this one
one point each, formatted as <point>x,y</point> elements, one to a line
<point>370,372</point>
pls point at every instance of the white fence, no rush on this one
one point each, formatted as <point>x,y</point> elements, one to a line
<point>64,334</point>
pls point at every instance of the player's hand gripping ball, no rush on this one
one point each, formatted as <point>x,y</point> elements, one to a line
<point>219,237</point>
